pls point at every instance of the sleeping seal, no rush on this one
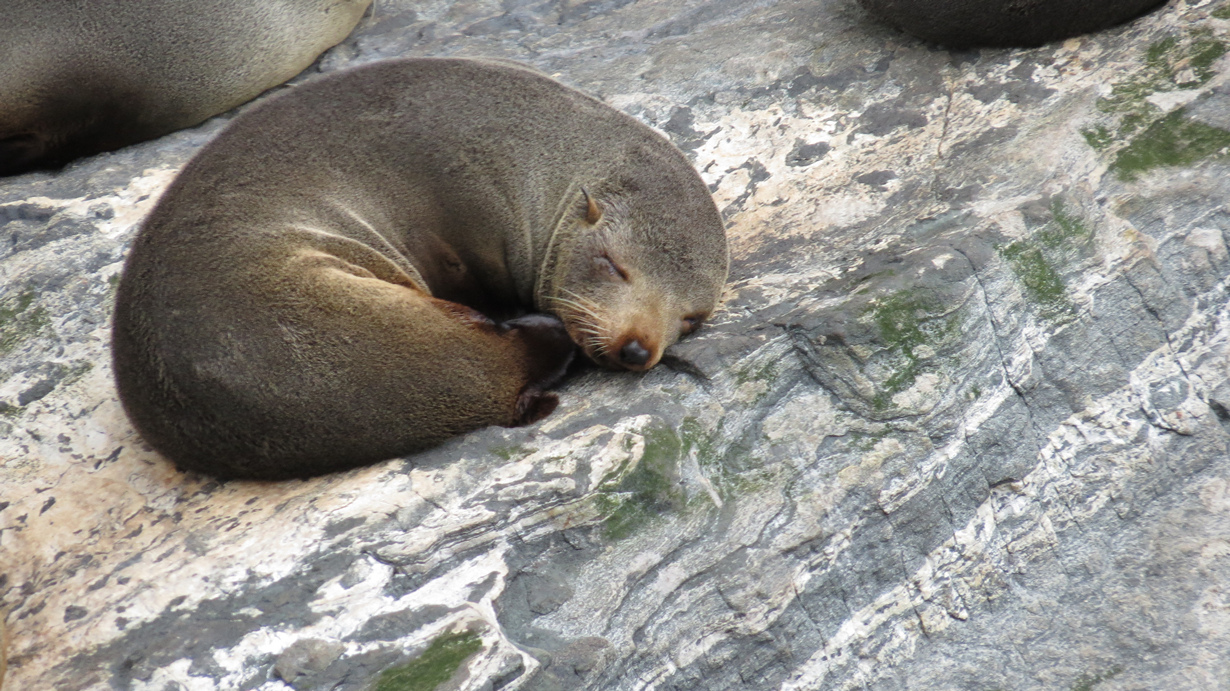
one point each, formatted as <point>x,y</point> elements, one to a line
<point>392,255</point>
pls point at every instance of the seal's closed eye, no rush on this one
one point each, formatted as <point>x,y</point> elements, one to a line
<point>607,264</point>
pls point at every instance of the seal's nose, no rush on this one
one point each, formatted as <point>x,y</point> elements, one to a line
<point>633,354</point>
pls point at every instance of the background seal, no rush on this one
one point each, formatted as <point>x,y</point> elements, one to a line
<point>79,78</point>
<point>964,23</point>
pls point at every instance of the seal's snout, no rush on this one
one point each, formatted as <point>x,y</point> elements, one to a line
<point>633,354</point>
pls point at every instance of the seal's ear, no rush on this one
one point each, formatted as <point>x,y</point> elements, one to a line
<point>592,213</point>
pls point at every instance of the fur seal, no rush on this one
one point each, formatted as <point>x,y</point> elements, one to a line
<point>343,275</point>
<point>78,78</point>
<point>1024,23</point>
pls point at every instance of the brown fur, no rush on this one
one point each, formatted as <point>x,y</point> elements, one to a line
<point>78,78</point>
<point>310,293</point>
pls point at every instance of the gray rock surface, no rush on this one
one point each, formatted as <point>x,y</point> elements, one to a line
<point>962,423</point>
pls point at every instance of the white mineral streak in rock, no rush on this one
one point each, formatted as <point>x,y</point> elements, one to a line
<point>1167,101</point>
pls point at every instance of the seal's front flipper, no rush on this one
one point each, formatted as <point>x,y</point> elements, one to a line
<point>546,346</point>
<point>547,349</point>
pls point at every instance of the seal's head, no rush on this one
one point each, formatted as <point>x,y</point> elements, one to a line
<point>639,260</point>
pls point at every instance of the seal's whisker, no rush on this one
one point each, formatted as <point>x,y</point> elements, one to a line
<point>586,323</point>
<point>580,304</point>
<point>585,314</point>
<point>588,303</point>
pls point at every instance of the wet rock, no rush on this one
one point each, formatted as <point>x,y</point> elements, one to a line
<point>305,659</point>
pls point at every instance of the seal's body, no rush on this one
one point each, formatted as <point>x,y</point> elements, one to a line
<point>312,292</point>
<point>77,78</point>
<point>964,23</point>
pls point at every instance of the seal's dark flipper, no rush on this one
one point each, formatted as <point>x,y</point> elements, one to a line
<point>548,346</point>
<point>549,350</point>
<point>533,405</point>
<point>19,152</point>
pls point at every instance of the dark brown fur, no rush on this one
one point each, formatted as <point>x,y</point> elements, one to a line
<point>964,23</point>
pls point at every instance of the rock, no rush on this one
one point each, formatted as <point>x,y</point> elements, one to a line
<point>306,658</point>
<point>961,421</point>
<point>964,23</point>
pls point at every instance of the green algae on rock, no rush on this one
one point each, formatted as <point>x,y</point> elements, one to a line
<point>1034,261</point>
<point>18,322</point>
<point>647,490</point>
<point>435,666</point>
<point>1042,282</point>
<point>906,322</point>
<point>1174,140</point>
<point>1143,135</point>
